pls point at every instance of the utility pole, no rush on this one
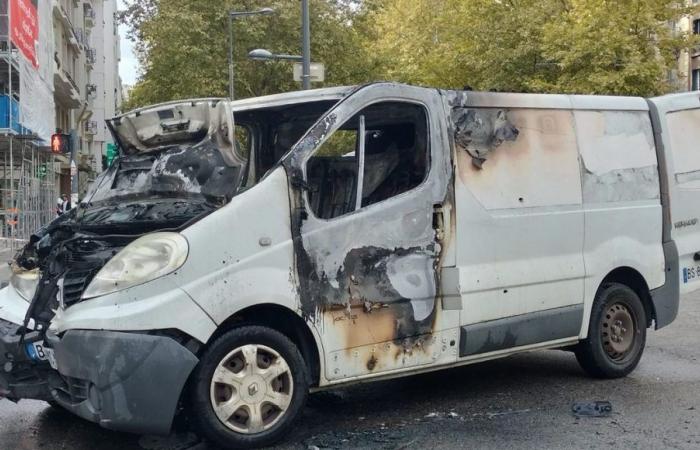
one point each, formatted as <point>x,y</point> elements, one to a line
<point>74,174</point>
<point>305,45</point>
<point>230,57</point>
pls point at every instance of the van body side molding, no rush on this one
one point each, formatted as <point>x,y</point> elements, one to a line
<point>525,329</point>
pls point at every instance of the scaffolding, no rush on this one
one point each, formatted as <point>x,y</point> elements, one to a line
<point>28,170</point>
<point>28,188</point>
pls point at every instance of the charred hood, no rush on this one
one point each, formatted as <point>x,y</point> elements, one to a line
<point>177,163</point>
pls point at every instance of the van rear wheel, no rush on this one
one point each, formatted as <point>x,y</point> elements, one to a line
<point>249,387</point>
<point>616,335</point>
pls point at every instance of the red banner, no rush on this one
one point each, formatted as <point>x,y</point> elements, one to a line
<point>24,28</point>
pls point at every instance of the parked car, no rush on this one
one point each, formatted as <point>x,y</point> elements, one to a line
<point>238,255</point>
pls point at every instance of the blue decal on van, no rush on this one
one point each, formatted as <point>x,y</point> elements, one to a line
<point>685,274</point>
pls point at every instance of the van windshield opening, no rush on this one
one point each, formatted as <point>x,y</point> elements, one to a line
<point>178,182</point>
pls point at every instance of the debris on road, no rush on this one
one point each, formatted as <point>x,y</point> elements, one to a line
<point>592,409</point>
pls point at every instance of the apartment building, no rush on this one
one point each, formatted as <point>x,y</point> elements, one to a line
<point>687,76</point>
<point>59,64</point>
<point>86,81</point>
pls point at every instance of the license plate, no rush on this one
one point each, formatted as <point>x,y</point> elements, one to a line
<point>690,274</point>
<point>44,353</point>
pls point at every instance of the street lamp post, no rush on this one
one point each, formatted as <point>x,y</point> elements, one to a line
<point>305,45</point>
<point>233,15</point>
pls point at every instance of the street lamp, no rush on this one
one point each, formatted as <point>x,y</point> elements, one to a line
<point>234,15</point>
<point>260,54</point>
<point>305,59</point>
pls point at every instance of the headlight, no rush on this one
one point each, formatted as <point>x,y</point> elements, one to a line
<point>147,258</point>
<point>25,283</point>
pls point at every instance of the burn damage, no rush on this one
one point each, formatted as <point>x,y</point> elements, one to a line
<point>480,131</point>
<point>367,278</point>
<point>142,192</point>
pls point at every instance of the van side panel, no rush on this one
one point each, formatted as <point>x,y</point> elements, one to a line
<point>520,225</point>
<point>237,267</point>
<point>621,198</point>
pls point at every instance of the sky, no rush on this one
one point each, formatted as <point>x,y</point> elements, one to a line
<point>128,67</point>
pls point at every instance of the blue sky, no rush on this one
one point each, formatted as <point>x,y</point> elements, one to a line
<point>128,68</point>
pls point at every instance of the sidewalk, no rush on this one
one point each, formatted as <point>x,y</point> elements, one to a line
<point>6,255</point>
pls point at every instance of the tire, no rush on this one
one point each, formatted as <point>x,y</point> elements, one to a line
<point>616,334</point>
<point>263,399</point>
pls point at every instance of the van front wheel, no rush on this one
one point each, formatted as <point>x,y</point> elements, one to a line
<point>616,335</point>
<point>249,387</point>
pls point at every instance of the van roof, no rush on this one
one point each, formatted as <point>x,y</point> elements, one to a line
<point>553,101</point>
<point>293,97</point>
<point>677,102</point>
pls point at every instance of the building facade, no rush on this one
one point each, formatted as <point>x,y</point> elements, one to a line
<point>687,77</point>
<point>87,87</point>
<point>59,64</point>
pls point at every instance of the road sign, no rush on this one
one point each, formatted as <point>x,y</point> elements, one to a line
<point>318,72</point>
<point>110,154</point>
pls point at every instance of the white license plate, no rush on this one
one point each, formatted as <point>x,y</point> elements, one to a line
<point>690,274</point>
<point>44,353</point>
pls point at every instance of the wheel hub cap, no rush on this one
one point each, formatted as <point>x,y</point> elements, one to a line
<point>251,389</point>
<point>618,331</point>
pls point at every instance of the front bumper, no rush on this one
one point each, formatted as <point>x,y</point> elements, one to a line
<point>21,377</point>
<point>122,381</point>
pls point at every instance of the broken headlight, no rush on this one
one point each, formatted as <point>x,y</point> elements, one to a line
<point>25,283</point>
<point>147,258</point>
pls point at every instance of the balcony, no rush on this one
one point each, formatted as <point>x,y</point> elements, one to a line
<point>90,57</point>
<point>89,14</point>
<point>66,89</point>
<point>60,13</point>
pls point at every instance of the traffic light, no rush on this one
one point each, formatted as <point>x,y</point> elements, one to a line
<point>60,143</point>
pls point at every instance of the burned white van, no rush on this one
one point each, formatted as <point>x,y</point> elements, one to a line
<point>239,254</point>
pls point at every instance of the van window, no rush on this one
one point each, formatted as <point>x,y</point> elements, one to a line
<point>396,159</point>
<point>684,133</point>
<point>618,155</point>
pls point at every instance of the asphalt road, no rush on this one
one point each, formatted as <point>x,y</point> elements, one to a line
<point>519,402</point>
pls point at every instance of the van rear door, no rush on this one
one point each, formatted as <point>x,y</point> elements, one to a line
<point>679,121</point>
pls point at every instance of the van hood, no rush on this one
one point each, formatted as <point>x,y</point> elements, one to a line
<point>154,127</point>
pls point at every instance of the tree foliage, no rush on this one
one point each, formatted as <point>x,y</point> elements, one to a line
<point>183,46</point>
<point>570,46</point>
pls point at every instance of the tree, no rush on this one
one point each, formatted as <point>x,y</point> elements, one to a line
<point>620,47</point>
<point>571,46</point>
<point>183,47</point>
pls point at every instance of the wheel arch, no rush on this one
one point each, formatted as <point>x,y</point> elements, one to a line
<point>285,321</point>
<point>634,280</point>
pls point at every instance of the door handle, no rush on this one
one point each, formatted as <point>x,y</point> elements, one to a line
<point>696,256</point>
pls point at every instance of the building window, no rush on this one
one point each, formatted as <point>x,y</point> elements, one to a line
<point>696,26</point>
<point>695,86</point>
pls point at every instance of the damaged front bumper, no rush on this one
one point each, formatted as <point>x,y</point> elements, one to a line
<point>20,375</point>
<point>119,380</point>
<point>122,381</point>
